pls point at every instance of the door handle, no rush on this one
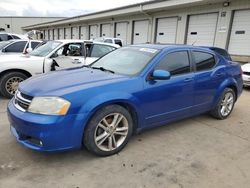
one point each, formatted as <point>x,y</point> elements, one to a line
<point>188,79</point>
<point>76,61</point>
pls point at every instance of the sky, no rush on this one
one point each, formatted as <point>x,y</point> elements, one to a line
<point>61,8</point>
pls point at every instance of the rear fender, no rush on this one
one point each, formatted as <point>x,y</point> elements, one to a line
<point>227,83</point>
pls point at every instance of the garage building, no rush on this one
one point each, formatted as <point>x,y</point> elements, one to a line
<point>220,23</point>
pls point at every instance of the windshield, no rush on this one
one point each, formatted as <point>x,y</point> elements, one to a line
<point>126,61</point>
<point>45,49</point>
<point>5,43</point>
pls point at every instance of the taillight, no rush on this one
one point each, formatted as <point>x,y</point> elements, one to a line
<point>241,71</point>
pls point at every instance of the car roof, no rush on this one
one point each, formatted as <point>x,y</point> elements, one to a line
<point>16,40</point>
<point>88,41</point>
<point>169,46</point>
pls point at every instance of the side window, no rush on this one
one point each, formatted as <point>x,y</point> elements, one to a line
<point>176,63</point>
<point>108,41</point>
<point>15,37</point>
<point>10,37</point>
<point>119,42</point>
<point>34,44</point>
<point>16,47</point>
<point>203,61</point>
<point>74,49</point>
<point>99,50</point>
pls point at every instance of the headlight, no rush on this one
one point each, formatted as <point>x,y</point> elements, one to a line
<point>49,106</point>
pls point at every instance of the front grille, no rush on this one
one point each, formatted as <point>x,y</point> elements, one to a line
<point>22,101</point>
<point>246,73</point>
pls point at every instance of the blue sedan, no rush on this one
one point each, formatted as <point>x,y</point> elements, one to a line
<point>131,89</point>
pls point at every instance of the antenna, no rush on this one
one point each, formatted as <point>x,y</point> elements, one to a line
<point>194,42</point>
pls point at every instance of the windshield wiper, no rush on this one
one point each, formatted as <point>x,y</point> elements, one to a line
<point>102,69</point>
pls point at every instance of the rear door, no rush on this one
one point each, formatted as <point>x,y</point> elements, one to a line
<point>167,100</point>
<point>95,51</point>
<point>208,78</point>
<point>16,47</point>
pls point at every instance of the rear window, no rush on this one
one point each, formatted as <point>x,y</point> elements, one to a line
<point>203,61</point>
<point>222,52</point>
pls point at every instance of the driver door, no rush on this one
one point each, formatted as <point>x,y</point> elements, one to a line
<point>69,56</point>
<point>167,100</point>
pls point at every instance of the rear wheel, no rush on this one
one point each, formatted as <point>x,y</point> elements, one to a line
<point>225,105</point>
<point>9,83</point>
<point>108,131</point>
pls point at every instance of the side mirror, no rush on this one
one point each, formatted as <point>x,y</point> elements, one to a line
<point>161,75</point>
<point>4,50</point>
<point>54,55</point>
<point>29,50</point>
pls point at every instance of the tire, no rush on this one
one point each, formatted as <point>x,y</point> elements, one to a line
<point>9,83</point>
<point>103,130</point>
<point>218,111</point>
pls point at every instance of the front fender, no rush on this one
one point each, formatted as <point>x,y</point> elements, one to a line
<point>101,100</point>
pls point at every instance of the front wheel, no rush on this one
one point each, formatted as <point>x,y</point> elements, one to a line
<point>9,83</point>
<point>226,104</point>
<point>108,131</point>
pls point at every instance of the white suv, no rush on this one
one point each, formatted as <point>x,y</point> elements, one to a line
<point>53,55</point>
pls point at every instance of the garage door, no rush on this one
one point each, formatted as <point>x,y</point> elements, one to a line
<point>75,32</point>
<point>55,34</point>
<point>61,33</point>
<point>106,30</point>
<point>67,33</point>
<point>93,31</point>
<point>45,34</point>
<point>240,35</point>
<point>166,30</point>
<point>83,33</point>
<point>50,34</point>
<point>140,34</point>
<point>202,29</point>
<point>121,31</point>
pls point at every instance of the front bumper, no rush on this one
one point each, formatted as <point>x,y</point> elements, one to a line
<point>45,132</point>
<point>246,80</point>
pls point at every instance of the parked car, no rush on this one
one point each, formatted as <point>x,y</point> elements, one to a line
<point>10,36</point>
<point>128,90</point>
<point>17,46</point>
<point>117,41</point>
<point>54,55</point>
<point>246,74</point>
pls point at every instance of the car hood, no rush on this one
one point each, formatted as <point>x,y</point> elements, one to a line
<point>63,82</point>
<point>246,67</point>
<point>18,58</point>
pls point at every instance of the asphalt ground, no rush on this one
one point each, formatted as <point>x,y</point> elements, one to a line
<point>200,152</point>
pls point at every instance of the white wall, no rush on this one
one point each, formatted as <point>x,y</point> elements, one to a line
<point>16,23</point>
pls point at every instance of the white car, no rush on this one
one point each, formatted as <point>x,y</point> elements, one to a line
<point>53,55</point>
<point>117,41</point>
<point>246,74</point>
<point>10,36</point>
<point>17,46</point>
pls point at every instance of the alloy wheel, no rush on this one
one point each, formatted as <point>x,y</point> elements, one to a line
<point>227,104</point>
<point>111,132</point>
